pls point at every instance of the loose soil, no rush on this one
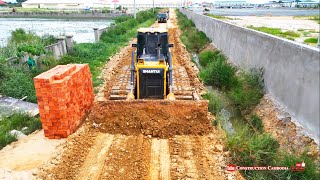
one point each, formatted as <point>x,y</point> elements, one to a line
<point>281,126</point>
<point>158,118</point>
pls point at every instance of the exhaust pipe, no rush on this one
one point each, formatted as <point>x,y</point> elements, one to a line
<point>130,95</point>
<point>170,95</point>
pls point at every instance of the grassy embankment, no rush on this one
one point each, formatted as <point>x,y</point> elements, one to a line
<point>21,122</point>
<point>249,145</point>
<point>18,82</point>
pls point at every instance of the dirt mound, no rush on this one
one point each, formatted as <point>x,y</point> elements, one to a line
<point>152,117</point>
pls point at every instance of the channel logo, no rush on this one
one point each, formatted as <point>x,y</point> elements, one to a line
<point>231,167</point>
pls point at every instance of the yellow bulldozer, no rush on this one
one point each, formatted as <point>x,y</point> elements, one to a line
<point>151,65</point>
<point>153,104</point>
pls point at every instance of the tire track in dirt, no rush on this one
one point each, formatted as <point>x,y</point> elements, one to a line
<point>128,158</point>
<point>94,162</point>
<point>160,159</point>
<point>183,164</point>
<point>75,151</point>
<point>199,157</point>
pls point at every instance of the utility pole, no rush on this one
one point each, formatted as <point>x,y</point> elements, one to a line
<point>134,9</point>
<point>153,6</point>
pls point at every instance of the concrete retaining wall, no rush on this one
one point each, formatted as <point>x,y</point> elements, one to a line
<point>98,32</point>
<point>62,47</point>
<point>291,70</point>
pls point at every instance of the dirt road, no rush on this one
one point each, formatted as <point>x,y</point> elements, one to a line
<point>98,151</point>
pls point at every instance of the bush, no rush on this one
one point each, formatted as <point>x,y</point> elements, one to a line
<point>219,74</point>
<point>256,122</point>
<point>3,71</point>
<point>252,149</point>
<point>19,84</point>
<point>249,89</point>
<point>21,36</point>
<point>6,139</point>
<point>216,104</point>
<point>311,171</point>
<point>193,39</point>
<point>208,56</point>
<point>17,121</point>
<point>48,39</point>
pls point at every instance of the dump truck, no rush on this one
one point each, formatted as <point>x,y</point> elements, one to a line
<point>151,65</point>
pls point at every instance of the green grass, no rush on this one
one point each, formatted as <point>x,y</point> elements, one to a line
<point>207,56</point>
<point>249,89</point>
<point>291,35</point>
<point>311,40</point>
<point>191,37</point>
<point>18,82</point>
<point>256,123</point>
<point>17,122</point>
<point>219,73</point>
<point>219,17</point>
<point>216,103</point>
<point>248,149</point>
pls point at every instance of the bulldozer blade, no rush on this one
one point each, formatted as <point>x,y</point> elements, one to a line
<point>158,118</point>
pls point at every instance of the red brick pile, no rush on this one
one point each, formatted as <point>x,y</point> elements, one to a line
<point>65,96</point>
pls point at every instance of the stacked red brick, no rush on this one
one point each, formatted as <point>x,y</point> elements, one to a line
<point>65,96</point>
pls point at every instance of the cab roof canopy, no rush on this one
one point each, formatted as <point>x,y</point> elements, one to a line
<point>153,30</point>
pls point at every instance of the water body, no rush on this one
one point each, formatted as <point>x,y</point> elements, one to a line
<point>262,12</point>
<point>80,29</point>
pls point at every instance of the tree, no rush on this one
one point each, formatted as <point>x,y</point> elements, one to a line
<point>20,1</point>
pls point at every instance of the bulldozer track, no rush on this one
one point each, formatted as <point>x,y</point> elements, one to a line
<point>144,139</point>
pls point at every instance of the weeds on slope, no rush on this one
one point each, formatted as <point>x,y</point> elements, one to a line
<point>21,122</point>
<point>17,82</point>
<point>248,145</point>
<point>191,37</point>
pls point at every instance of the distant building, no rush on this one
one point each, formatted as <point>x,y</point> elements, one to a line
<point>2,3</point>
<point>308,3</point>
<point>65,4</point>
<point>231,4</point>
<point>273,4</point>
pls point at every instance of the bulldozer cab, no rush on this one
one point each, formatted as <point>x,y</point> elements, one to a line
<point>152,44</point>
<point>151,67</point>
